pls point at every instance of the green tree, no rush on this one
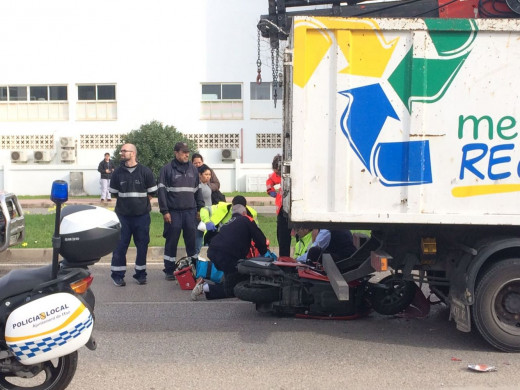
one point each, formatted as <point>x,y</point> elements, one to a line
<point>154,143</point>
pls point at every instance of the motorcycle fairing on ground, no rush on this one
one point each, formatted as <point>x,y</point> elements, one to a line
<point>291,288</point>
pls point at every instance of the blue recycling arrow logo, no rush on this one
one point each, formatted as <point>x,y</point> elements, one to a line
<point>405,163</point>
<point>394,163</point>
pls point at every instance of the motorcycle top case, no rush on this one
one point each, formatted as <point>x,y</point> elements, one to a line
<point>48,328</point>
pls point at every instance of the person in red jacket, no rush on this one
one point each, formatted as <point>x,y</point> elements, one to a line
<point>274,189</point>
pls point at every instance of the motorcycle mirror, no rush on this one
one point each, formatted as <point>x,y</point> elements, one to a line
<point>59,191</point>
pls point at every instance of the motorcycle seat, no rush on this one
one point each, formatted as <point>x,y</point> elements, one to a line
<point>19,281</point>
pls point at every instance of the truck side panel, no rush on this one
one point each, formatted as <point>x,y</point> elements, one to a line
<point>404,121</point>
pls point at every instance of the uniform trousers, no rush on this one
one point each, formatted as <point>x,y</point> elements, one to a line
<point>182,220</point>
<point>139,228</point>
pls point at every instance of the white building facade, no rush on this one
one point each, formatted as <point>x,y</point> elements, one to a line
<point>76,75</point>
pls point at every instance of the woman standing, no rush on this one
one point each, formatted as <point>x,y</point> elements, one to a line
<point>204,178</point>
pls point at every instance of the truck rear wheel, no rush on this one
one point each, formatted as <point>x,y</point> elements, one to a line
<point>496,312</point>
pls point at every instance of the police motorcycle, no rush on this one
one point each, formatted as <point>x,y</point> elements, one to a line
<point>285,286</point>
<point>47,313</point>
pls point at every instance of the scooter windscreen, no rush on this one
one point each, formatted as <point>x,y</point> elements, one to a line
<point>47,328</point>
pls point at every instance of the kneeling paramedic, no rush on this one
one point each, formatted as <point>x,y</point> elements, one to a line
<point>226,248</point>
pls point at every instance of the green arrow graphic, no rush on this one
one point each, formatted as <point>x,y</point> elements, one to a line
<point>427,79</point>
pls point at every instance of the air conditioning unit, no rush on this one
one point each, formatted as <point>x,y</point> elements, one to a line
<point>67,142</point>
<point>68,155</point>
<point>43,156</point>
<point>19,156</point>
<point>229,154</point>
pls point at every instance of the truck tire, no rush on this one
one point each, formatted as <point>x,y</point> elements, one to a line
<point>256,293</point>
<point>497,305</point>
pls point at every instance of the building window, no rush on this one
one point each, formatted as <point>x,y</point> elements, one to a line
<point>260,91</point>
<point>34,103</point>
<point>221,92</point>
<point>17,94</point>
<point>96,102</point>
<point>58,92</point>
<point>97,92</point>
<point>265,91</point>
<point>36,93</point>
<point>221,101</point>
<point>262,101</point>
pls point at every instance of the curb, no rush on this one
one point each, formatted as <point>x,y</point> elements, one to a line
<point>44,255</point>
<point>46,203</point>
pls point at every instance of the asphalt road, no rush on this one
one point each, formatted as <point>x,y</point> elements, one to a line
<point>155,337</point>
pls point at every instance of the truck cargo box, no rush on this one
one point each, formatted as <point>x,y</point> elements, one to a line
<point>403,121</point>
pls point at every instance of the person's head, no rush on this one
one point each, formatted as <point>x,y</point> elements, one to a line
<point>182,152</point>
<point>107,156</point>
<point>128,154</point>
<point>302,232</point>
<point>197,159</point>
<point>239,200</point>
<point>277,162</point>
<point>239,209</point>
<point>204,173</point>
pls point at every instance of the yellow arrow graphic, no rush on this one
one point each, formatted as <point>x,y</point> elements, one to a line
<point>360,40</point>
<point>366,53</point>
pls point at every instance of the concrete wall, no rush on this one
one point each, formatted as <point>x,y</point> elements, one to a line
<point>36,179</point>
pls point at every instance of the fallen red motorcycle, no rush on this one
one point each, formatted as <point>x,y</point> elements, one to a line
<point>287,287</point>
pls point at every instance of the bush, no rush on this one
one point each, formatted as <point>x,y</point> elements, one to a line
<point>154,143</point>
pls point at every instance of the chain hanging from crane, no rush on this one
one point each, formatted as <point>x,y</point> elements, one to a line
<point>275,57</point>
<point>258,63</point>
<point>275,61</point>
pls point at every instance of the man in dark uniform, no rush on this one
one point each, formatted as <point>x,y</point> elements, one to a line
<point>134,185</point>
<point>180,199</point>
<point>226,248</point>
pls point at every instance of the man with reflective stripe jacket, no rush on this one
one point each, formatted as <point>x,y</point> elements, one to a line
<point>179,202</point>
<point>133,185</point>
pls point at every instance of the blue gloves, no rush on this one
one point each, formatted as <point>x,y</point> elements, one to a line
<point>210,226</point>
<point>270,254</point>
<point>273,194</point>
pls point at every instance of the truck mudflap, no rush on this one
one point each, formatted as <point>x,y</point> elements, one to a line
<point>460,312</point>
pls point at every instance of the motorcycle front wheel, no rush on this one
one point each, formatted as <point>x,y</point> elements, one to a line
<point>55,374</point>
<point>396,298</point>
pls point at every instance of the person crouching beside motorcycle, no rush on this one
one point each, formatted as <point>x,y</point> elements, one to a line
<point>304,240</point>
<point>227,248</point>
